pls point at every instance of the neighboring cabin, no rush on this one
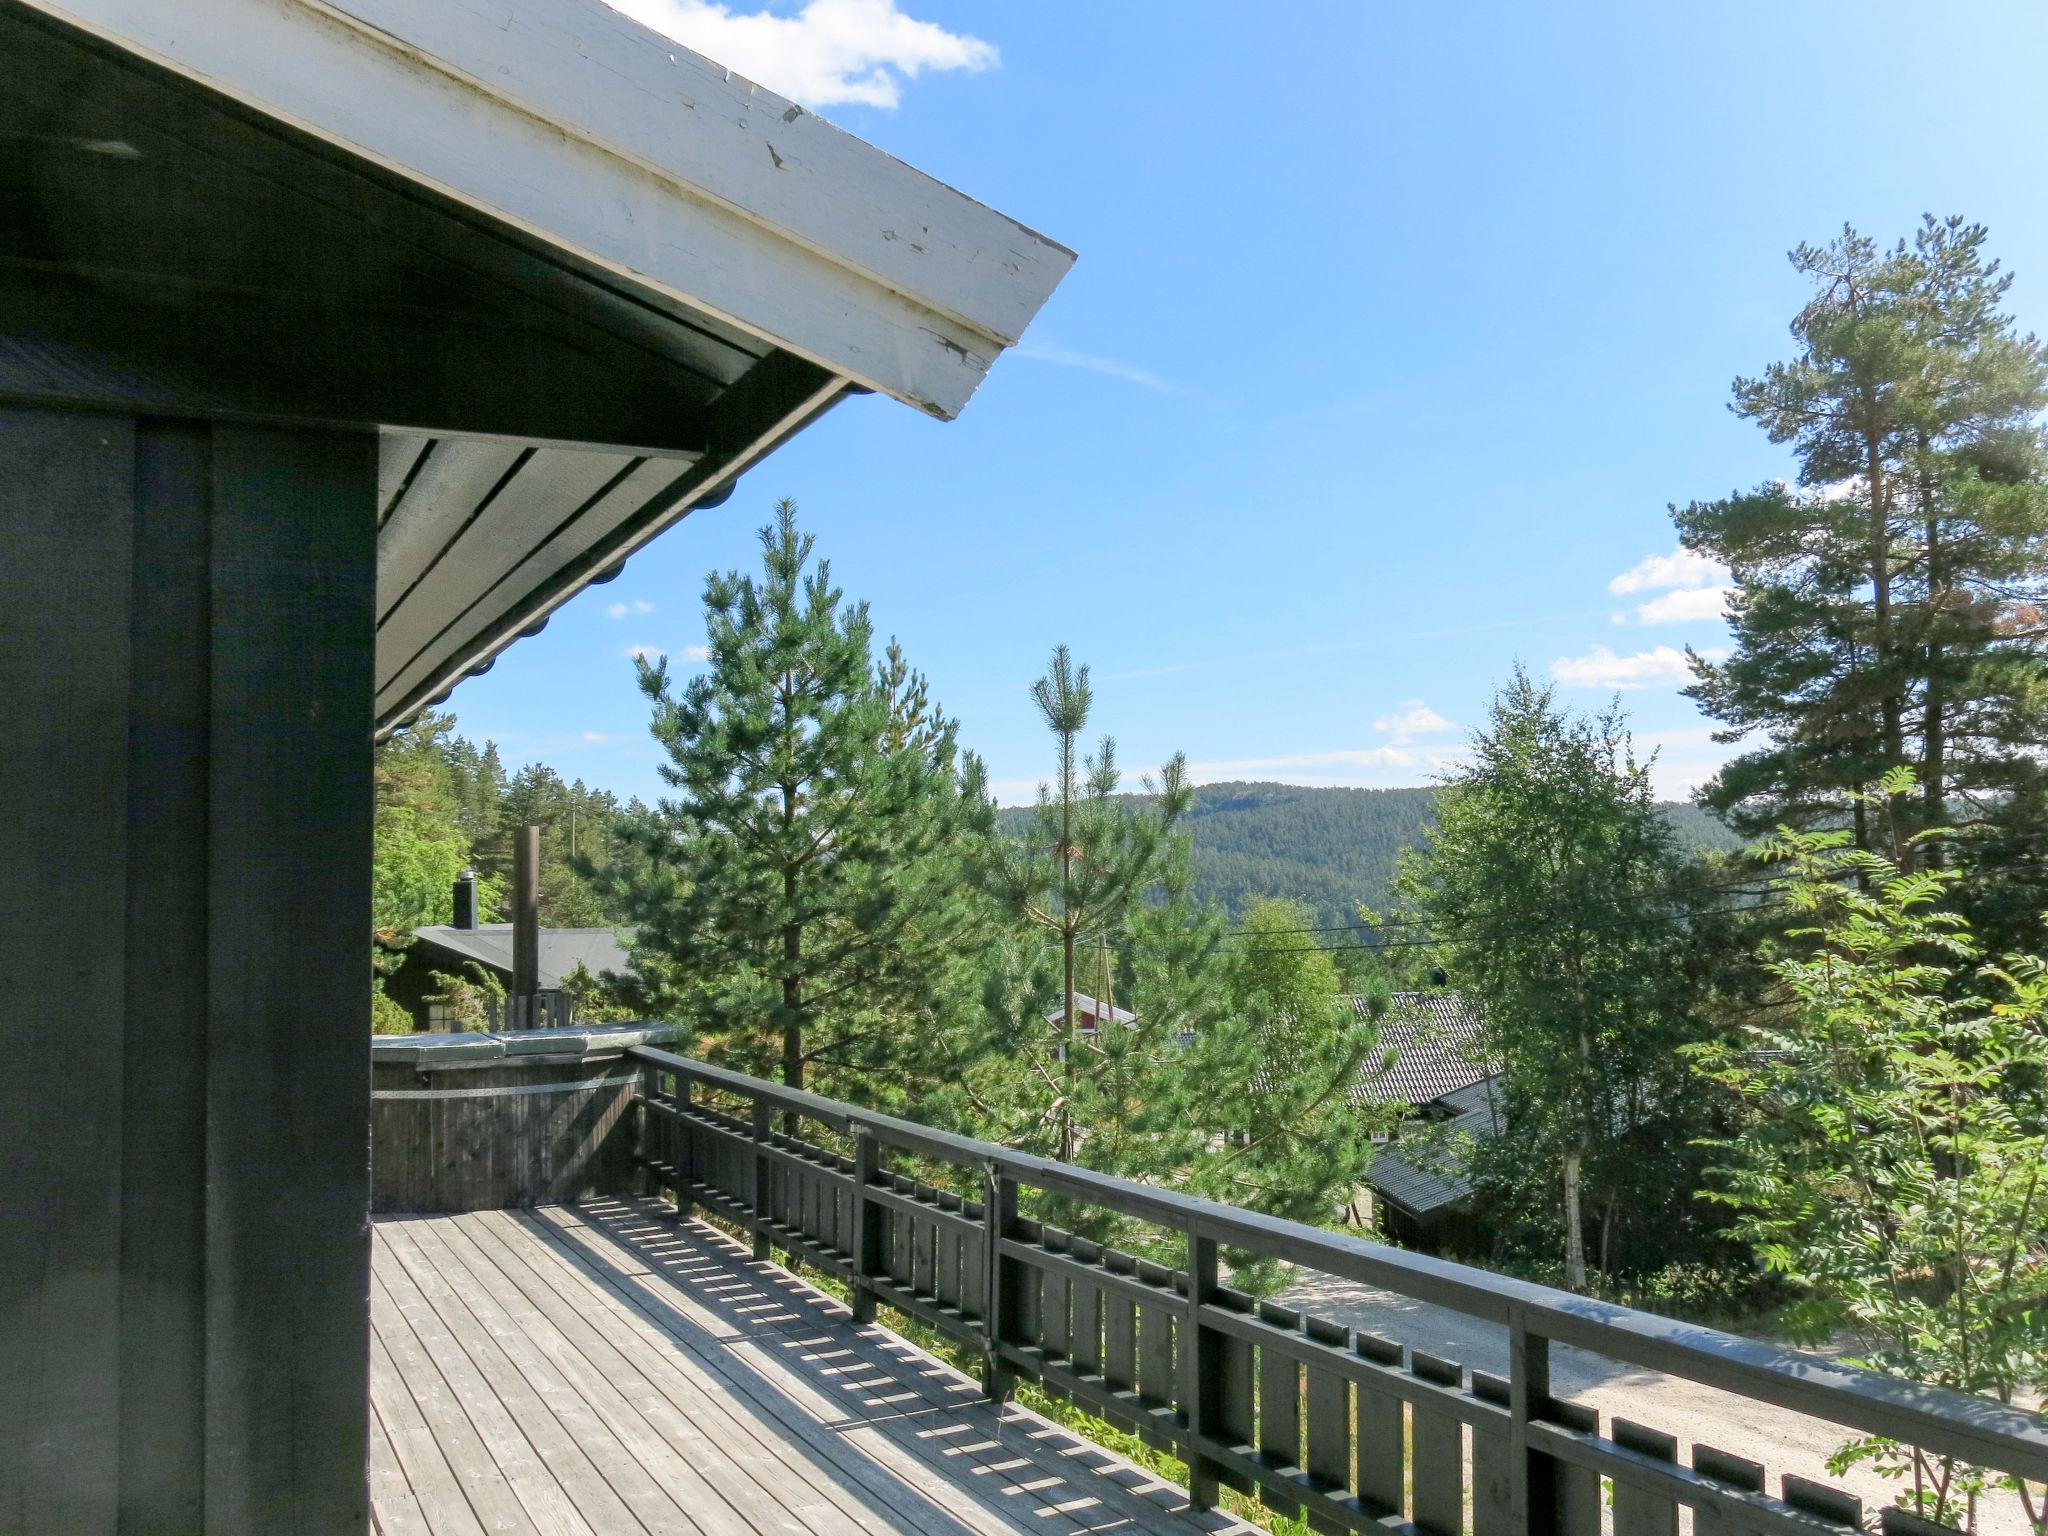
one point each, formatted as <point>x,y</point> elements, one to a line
<point>1421,1194</point>
<point>1089,1014</point>
<point>451,949</point>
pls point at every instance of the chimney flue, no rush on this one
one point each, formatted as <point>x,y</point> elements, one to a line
<point>465,900</point>
<point>525,925</point>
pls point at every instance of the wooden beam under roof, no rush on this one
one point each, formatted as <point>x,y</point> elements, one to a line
<point>620,149</point>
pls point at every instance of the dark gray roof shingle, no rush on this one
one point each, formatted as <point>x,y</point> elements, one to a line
<point>1432,1174</point>
<point>561,949</point>
<point>1434,1038</point>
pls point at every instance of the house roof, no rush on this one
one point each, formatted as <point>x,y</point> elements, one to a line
<point>1434,1038</point>
<point>561,949</point>
<point>1433,1173</point>
<point>576,277</point>
<point>1083,1003</point>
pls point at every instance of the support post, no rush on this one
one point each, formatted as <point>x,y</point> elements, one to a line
<point>999,1305</point>
<point>1532,1490</point>
<point>523,1004</point>
<point>187,624</point>
<point>758,1195</point>
<point>1198,1374</point>
<point>867,1232</point>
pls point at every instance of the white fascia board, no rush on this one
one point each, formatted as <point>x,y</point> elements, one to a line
<point>592,134</point>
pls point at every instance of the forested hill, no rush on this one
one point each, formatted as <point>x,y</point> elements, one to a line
<point>1331,848</point>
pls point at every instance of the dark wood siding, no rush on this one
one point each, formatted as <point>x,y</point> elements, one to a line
<point>186,628</point>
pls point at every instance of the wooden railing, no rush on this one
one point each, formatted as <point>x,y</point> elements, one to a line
<point>1347,1428</point>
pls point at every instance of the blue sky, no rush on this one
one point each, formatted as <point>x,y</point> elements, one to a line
<point>1394,331</point>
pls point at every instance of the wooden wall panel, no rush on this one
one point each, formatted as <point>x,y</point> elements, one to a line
<point>66,542</point>
<point>185,632</point>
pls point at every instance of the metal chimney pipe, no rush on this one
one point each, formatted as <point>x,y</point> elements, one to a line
<point>525,926</point>
<point>465,914</point>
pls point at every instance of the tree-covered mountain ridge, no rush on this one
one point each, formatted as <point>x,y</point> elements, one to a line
<point>1329,847</point>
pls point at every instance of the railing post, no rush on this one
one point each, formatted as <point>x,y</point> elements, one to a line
<point>685,1148</point>
<point>758,1195</point>
<point>867,1232</point>
<point>1532,1490</point>
<point>1198,1369</point>
<point>999,1302</point>
<point>645,1184</point>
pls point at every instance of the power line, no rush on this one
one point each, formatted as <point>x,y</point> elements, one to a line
<point>1537,932</point>
<point>1746,886</point>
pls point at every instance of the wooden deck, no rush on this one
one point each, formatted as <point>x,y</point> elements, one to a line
<point>602,1370</point>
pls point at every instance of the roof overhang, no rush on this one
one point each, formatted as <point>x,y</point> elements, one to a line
<point>577,277</point>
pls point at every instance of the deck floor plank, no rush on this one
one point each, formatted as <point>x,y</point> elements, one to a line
<point>671,1380</point>
<point>918,1500</point>
<point>563,1494</point>
<point>723,1494</point>
<point>590,1370</point>
<point>394,1509</point>
<point>429,1479</point>
<point>1051,1480</point>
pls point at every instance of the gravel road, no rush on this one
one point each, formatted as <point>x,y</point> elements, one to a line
<point>1782,1441</point>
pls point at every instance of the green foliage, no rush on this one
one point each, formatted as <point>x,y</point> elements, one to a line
<point>1894,1162</point>
<point>1083,862</point>
<point>421,844</point>
<point>799,897</point>
<point>474,997</point>
<point>1558,895</point>
<point>1284,1138</point>
<point>386,1016</point>
<point>597,1001</point>
<point>1888,610</point>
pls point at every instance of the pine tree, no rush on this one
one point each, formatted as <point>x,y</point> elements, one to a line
<point>1287,1140</point>
<point>1086,858</point>
<point>800,892</point>
<point>1889,609</point>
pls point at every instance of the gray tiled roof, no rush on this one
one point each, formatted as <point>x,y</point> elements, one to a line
<point>1431,1174</point>
<point>1433,1037</point>
<point>561,949</point>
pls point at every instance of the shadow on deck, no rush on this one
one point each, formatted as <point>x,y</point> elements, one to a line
<point>600,1368</point>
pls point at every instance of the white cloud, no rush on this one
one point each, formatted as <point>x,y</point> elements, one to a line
<point>1066,357</point>
<point>1416,719</point>
<point>621,610</point>
<point>1686,606</point>
<point>595,736</point>
<point>1601,668</point>
<point>1682,568</point>
<point>656,652</point>
<point>830,51</point>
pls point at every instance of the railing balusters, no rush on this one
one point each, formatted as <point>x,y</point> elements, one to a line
<point>758,1192</point>
<point>1382,1453</point>
<point>1201,1383</point>
<point>1639,1511</point>
<point>1000,1326</point>
<point>1328,1398</point>
<point>1158,1323</point>
<point>866,1247</point>
<point>1736,1472</point>
<point>1575,1502</point>
<point>1436,1451</point>
<point>1493,1511</point>
<point>1280,1400</point>
<point>682,1149</point>
<point>1347,1427</point>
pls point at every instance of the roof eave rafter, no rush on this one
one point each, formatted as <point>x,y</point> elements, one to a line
<point>560,118</point>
